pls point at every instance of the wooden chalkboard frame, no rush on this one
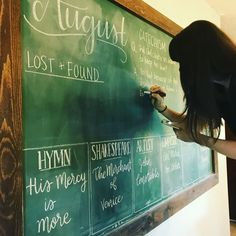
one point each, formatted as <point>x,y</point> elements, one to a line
<point>149,14</point>
<point>11,172</point>
<point>158,214</point>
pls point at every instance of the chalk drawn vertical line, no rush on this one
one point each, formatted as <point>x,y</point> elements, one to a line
<point>89,188</point>
<point>133,177</point>
<point>161,168</point>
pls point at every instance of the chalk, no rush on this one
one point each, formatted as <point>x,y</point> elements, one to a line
<point>147,92</point>
<point>170,123</point>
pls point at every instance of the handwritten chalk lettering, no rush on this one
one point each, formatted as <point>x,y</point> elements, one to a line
<point>112,202</point>
<point>110,150</point>
<point>55,158</point>
<point>168,141</point>
<point>37,8</point>
<point>113,184</point>
<point>146,73</point>
<point>141,48</point>
<point>171,155</point>
<point>49,205</point>
<point>156,57</point>
<point>73,21</point>
<point>111,170</point>
<point>151,40</point>
<point>66,180</point>
<point>141,58</point>
<point>36,186</point>
<point>169,61</point>
<point>153,54</point>
<point>147,61</point>
<point>39,62</point>
<point>159,78</point>
<point>172,167</point>
<point>133,46</point>
<point>151,175</point>
<point>162,67</point>
<point>156,64</point>
<point>144,145</point>
<point>47,224</point>
<point>150,56</point>
<point>144,162</point>
<point>82,72</point>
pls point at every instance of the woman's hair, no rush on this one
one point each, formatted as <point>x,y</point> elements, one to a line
<point>203,52</point>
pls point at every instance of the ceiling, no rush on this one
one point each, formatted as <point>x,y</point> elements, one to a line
<point>227,10</point>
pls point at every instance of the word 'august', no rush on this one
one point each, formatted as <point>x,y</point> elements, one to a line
<point>73,21</point>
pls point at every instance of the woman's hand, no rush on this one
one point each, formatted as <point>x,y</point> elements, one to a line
<point>182,133</point>
<point>157,100</point>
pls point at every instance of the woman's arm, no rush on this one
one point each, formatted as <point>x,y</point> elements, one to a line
<point>158,103</point>
<point>173,115</point>
<point>225,147</point>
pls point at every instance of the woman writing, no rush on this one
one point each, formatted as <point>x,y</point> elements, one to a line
<point>207,64</point>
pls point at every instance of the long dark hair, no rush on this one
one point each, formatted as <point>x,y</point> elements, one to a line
<point>203,52</point>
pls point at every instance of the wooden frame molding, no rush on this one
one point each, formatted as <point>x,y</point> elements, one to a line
<point>10,120</point>
<point>143,10</point>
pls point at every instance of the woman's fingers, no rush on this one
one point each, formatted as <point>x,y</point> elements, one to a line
<point>155,88</point>
<point>183,135</point>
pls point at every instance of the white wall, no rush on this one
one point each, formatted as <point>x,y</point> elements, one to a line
<point>228,24</point>
<point>183,12</point>
<point>208,215</point>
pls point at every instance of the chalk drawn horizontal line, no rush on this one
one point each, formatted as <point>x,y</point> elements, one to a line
<point>144,152</point>
<point>55,146</point>
<point>53,168</point>
<point>62,76</point>
<point>111,140</point>
<point>113,158</point>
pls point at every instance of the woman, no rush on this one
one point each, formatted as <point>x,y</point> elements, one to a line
<point>207,60</point>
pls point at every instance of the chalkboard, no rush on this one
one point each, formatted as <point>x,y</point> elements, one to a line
<point>96,156</point>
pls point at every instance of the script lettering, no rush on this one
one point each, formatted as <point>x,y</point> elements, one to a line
<point>72,21</point>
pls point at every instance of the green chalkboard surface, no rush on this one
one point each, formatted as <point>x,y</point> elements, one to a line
<point>95,153</point>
